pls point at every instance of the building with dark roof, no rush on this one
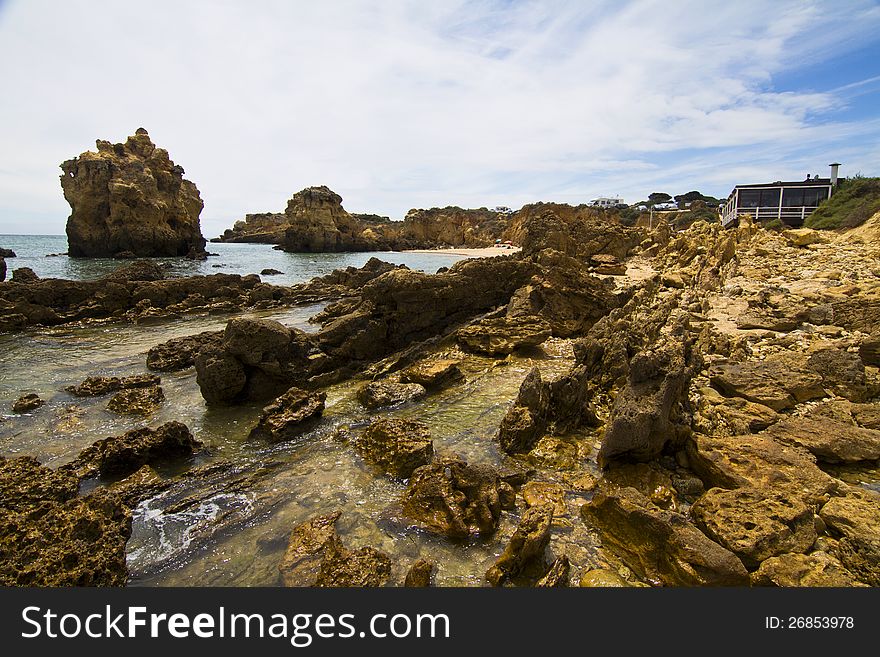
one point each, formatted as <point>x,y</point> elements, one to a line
<point>790,202</point>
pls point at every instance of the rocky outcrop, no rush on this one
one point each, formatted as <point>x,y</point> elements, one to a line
<point>95,386</point>
<point>396,446</point>
<point>180,353</point>
<point>316,557</point>
<point>526,546</point>
<point>51,537</point>
<point>502,336</point>
<point>661,546</point>
<point>130,197</point>
<point>290,414</point>
<point>122,455</point>
<point>780,381</point>
<point>433,373</point>
<point>456,499</point>
<point>2,270</point>
<point>136,401</point>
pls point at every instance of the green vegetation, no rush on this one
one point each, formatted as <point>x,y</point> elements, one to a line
<point>855,201</point>
<point>774,224</point>
<point>690,197</point>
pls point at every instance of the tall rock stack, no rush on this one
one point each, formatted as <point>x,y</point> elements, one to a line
<point>318,223</point>
<point>131,197</point>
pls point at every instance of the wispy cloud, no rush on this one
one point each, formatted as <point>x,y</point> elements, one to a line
<point>412,104</point>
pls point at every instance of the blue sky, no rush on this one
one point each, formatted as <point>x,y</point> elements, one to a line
<point>397,105</point>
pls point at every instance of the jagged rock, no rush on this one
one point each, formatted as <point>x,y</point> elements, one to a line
<point>609,265</point>
<point>180,353</point>
<point>755,525</point>
<point>550,452</point>
<point>7,253</point>
<point>27,403</point>
<point>780,381</point>
<point>379,394</point>
<point>316,557</point>
<point>95,386</point>
<point>432,373</point>
<point>130,197</point>
<point>650,479</point>
<point>122,455</point>
<point>758,461</point>
<point>2,270</point>
<point>803,237</point>
<point>525,422</point>
<point>452,497</point>
<point>141,270</point>
<point>24,275</point>
<point>540,493</point>
<point>526,546</point>
<point>503,335</point>
<point>419,574</point>
<point>815,569</point>
<point>842,372</point>
<point>660,546</point>
<point>221,378</point>
<point>289,414</point>
<point>855,518</point>
<point>645,417</point>
<point>397,446</point>
<point>731,416</point>
<point>869,349</point>
<point>317,223</point>
<point>136,401</point>
<point>270,272</point>
<point>557,575</point>
<point>828,440</point>
<point>50,537</point>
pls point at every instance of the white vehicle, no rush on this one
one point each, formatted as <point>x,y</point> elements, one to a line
<point>606,202</point>
<point>668,205</point>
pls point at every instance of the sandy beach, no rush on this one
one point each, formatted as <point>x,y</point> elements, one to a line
<point>487,252</point>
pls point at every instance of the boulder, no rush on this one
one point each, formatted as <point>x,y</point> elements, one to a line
<point>812,570</point>
<point>380,394</point>
<point>660,546</point>
<point>829,440</point>
<point>435,373</point>
<point>526,546</point>
<point>396,446</point>
<point>501,336</point>
<point>7,253</point>
<point>50,537</point>
<point>24,275</point>
<point>855,519</point>
<point>136,401</point>
<point>122,455</point>
<point>755,525</point>
<point>130,197</point>
<point>454,498</point>
<point>869,349</point>
<point>758,461</point>
<point>316,557</point>
<point>270,272</point>
<point>602,578</point>
<point>180,353</point>
<point>221,378</point>
<point>290,414</point>
<point>779,382</point>
<point>27,403</point>
<point>419,574</point>
<point>843,372</point>
<point>803,237</point>
<point>525,422</point>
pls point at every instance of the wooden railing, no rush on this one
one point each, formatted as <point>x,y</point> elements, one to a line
<point>790,216</point>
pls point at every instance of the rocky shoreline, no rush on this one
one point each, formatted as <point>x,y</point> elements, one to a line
<point>719,412</point>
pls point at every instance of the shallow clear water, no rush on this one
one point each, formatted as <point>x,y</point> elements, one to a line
<point>32,251</point>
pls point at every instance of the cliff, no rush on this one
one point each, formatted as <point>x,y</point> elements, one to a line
<point>130,197</point>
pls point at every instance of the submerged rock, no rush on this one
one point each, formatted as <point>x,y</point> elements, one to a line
<point>397,446</point>
<point>50,537</point>
<point>316,557</point>
<point>433,373</point>
<point>379,394</point>
<point>270,272</point>
<point>456,499</point>
<point>526,546</point>
<point>122,455</point>
<point>289,414</point>
<point>27,403</point>
<point>94,386</point>
<point>130,197</point>
<point>419,574</point>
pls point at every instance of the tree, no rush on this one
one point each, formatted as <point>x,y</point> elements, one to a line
<point>658,197</point>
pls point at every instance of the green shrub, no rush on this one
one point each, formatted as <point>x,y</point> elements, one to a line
<point>774,224</point>
<point>854,201</point>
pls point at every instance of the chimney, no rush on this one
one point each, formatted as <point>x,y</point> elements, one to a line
<point>834,167</point>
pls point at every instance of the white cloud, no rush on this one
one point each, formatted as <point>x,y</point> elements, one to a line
<point>412,104</point>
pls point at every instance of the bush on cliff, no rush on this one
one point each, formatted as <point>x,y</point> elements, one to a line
<point>855,201</point>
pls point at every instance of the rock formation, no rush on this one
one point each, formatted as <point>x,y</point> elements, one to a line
<point>130,197</point>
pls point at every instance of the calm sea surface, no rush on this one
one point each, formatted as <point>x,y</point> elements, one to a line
<point>33,251</point>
